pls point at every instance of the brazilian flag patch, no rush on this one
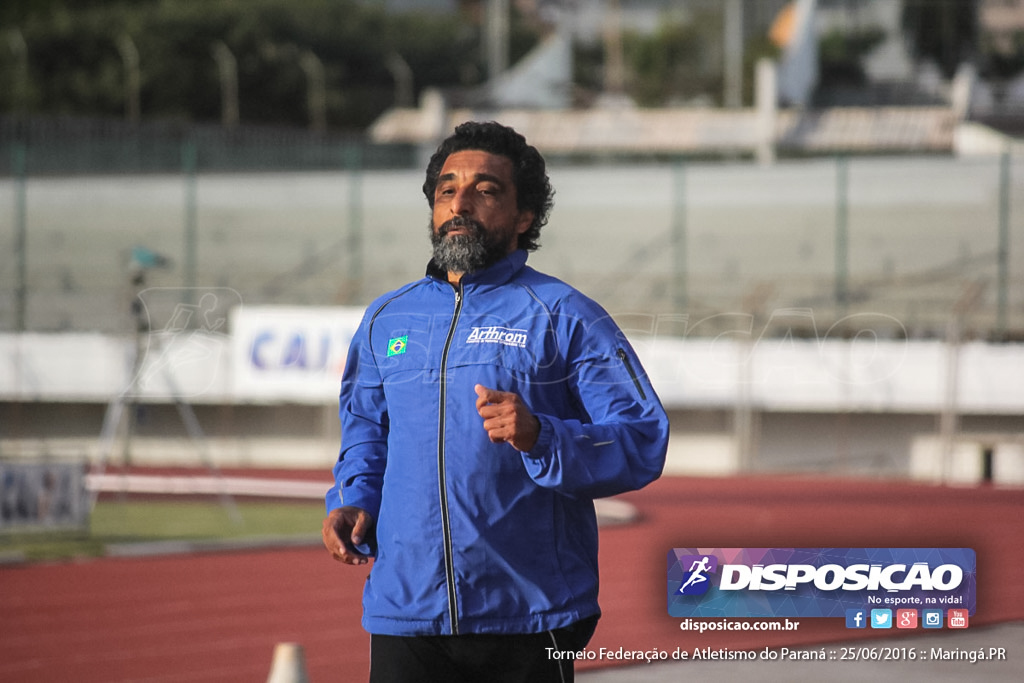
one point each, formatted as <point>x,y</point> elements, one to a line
<point>397,345</point>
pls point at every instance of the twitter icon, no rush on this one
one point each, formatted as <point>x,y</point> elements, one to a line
<point>881,618</point>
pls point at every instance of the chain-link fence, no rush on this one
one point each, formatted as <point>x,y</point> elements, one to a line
<point>88,219</point>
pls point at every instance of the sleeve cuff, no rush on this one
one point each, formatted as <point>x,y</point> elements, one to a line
<point>542,448</point>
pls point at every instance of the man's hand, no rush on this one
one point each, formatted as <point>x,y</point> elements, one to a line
<point>507,419</point>
<point>344,529</point>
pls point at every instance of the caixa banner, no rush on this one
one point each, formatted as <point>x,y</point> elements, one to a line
<point>817,582</point>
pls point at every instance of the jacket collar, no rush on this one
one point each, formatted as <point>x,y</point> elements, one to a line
<point>496,274</point>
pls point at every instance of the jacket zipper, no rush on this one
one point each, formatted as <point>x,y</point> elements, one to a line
<point>449,560</point>
<point>632,373</point>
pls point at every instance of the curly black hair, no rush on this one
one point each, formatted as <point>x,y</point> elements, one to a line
<point>533,189</point>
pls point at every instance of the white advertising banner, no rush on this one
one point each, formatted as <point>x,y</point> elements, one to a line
<point>291,353</point>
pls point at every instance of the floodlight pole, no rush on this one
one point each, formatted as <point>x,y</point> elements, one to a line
<point>190,164</point>
<point>745,414</point>
<point>402,73</point>
<point>132,80</point>
<point>615,68</point>
<point>733,41</point>
<point>19,50</point>
<point>680,272</point>
<point>842,294</point>
<point>227,67</point>
<point>19,165</point>
<point>949,418</point>
<point>1003,248</point>
<point>316,90</point>
<point>353,163</point>
<point>497,30</point>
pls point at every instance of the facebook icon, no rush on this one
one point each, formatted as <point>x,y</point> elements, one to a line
<point>856,618</point>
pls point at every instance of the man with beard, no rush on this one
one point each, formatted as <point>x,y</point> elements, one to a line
<point>483,409</point>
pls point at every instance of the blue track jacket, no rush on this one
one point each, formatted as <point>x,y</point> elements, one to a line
<point>473,536</point>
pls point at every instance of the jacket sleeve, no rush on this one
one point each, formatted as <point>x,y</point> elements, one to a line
<point>618,438</point>
<point>359,472</point>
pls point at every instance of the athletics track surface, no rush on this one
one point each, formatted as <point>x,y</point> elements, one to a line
<point>217,616</point>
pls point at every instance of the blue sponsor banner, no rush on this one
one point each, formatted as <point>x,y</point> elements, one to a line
<point>818,582</point>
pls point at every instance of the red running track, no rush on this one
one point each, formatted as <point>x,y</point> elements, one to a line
<point>218,616</point>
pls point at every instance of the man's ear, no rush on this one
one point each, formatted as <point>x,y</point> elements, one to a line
<point>523,221</point>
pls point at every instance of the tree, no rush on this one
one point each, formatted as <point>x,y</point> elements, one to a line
<point>683,61</point>
<point>942,31</point>
<point>75,65</point>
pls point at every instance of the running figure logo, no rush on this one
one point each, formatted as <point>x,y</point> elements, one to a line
<point>696,580</point>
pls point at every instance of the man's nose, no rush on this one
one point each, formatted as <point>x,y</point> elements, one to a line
<point>462,204</point>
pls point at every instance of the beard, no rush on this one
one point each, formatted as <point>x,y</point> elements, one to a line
<point>470,252</point>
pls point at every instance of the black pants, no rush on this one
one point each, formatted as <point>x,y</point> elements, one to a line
<point>479,658</point>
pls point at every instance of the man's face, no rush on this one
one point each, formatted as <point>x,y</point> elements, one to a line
<point>475,220</point>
